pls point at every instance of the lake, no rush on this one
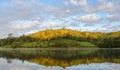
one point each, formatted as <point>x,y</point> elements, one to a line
<point>60,59</point>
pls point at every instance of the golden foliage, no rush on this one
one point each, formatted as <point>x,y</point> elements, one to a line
<point>49,34</point>
<point>64,63</point>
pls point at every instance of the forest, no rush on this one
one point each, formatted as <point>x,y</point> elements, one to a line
<point>63,38</point>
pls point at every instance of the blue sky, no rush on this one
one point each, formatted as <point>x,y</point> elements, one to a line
<point>29,16</point>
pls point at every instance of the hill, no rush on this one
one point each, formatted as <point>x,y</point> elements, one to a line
<point>64,38</point>
<point>50,34</point>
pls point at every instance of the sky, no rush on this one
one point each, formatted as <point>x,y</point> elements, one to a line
<point>29,16</point>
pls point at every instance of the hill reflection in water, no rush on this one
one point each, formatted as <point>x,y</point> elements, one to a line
<point>19,65</point>
<point>93,59</point>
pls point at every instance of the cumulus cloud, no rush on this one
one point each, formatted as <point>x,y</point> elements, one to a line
<point>51,25</point>
<point>19,10</point>
<point>77,6</point>
<point>30,32</point>
<point>110,7</point>
<point>101,6</point>
<point>78,2</point>
<point>106,7</point>
<point>113,17</point>
<point>111,27</point>
<point>40,11</point>
<point>39,17</point>
<point>24,24</point>
<point>62,19</point>
<point>89,18</point>
<point>58,11</point>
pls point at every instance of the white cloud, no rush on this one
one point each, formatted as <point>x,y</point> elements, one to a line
<point>111,27</point>
<point>58,11</point>
<point>23,24</point>
<point>51,25</point>
<point>37,11</point>
<point>89,18</point>
<point>78,2</point>
<point>40,17</point>
<point>74,2</point>
<point>109,7</point>
<point>30,32</point>
<point>64,19</point>
<point>113,17</point>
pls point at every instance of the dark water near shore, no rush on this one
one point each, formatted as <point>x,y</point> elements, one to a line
<point>67,59</point>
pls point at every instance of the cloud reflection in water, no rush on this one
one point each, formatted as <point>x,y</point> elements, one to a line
<point>19,65</point>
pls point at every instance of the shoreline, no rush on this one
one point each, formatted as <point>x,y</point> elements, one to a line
<point>73,48</point>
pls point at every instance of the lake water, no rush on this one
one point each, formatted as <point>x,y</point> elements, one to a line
<point>67,59</point>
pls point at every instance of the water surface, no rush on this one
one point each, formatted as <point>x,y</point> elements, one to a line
<point>77,59</point>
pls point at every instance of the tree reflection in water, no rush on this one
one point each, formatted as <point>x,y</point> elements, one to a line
<point>18,65</point>
<point>63,58</point>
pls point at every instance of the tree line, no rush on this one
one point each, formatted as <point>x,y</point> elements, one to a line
<point>64,37</point>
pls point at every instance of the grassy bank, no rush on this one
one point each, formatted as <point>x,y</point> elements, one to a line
<point>63,43</point>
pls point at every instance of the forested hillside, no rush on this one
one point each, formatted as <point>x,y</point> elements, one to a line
<point>64,38</point>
